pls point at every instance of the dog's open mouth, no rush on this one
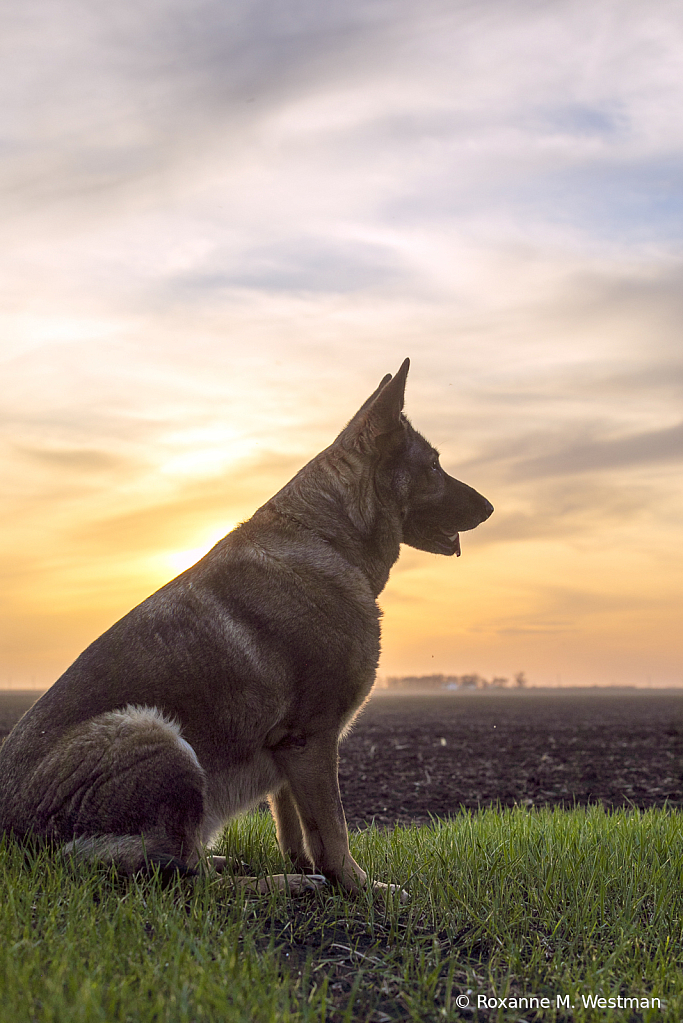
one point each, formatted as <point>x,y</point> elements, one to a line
<point>432,537</point>
<point>453,539</point>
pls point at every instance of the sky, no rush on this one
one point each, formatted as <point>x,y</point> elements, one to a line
<point>226,220</point>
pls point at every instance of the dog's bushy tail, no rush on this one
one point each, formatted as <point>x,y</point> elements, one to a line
<point>129,854</point>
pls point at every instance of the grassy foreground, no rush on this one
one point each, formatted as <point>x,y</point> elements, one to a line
<point>570,906</point>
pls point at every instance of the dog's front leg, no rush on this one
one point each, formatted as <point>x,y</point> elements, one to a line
<point>311,773</point>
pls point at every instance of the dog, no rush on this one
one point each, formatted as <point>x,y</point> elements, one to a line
<point>236,681</point>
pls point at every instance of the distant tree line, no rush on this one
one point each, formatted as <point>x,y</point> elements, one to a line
<point>453,682</point>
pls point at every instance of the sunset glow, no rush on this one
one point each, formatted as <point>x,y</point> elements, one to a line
<point>218,245</point>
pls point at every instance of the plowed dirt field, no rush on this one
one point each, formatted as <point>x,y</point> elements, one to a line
<point>411,757</point>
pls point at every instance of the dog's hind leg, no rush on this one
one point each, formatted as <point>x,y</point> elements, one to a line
<point>290,837</point>
<point>123,788</point>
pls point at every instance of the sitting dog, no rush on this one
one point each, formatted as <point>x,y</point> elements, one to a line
<point>237,679</point>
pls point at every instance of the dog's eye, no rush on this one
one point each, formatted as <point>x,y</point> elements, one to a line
<point>435,467</point>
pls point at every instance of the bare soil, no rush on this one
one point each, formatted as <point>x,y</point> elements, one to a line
<point>413,757</point>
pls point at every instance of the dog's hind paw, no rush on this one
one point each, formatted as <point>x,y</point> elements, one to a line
<point>212,863</point>
<point>391,891</point>
<point>293,884</point>
<point>290,884</point>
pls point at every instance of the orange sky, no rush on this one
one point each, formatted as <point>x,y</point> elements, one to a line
<point>214,252</point>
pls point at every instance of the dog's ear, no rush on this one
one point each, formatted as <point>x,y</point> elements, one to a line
<point>383,382</point>
<point>366,404</point>
<point>381,413</point>
<point>384,412</point>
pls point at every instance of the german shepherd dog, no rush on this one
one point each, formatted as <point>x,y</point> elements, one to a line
<point>236,680</point>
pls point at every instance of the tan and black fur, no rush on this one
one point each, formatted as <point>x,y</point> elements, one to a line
<point>236,680</point>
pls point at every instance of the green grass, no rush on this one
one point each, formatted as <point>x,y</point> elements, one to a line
<point>503,904</point>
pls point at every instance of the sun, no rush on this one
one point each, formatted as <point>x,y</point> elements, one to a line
<point>178,561</point>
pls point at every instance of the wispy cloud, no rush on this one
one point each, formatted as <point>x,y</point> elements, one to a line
<point>594,454</point>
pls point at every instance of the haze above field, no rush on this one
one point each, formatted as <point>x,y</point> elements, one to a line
<point>228,221</point>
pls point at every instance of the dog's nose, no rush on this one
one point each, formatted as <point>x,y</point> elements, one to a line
<point>488,508</point>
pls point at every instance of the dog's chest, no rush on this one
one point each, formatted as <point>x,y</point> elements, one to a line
<point>233,791</point>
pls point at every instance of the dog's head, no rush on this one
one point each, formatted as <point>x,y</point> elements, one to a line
<point>434,507</point>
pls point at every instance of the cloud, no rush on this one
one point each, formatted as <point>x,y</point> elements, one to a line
<point>117,97</point>
<point>399,96</point>
<point>82,461</point>
<point>651,448</point>
<point>300,265</point>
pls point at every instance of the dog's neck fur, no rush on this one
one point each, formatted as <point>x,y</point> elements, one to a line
<point>366,538</point>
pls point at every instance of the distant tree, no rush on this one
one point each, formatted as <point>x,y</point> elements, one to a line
<point>469,681</point>
<point>451,682</point>
<point>416,682</point>
<point>472,681</point>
